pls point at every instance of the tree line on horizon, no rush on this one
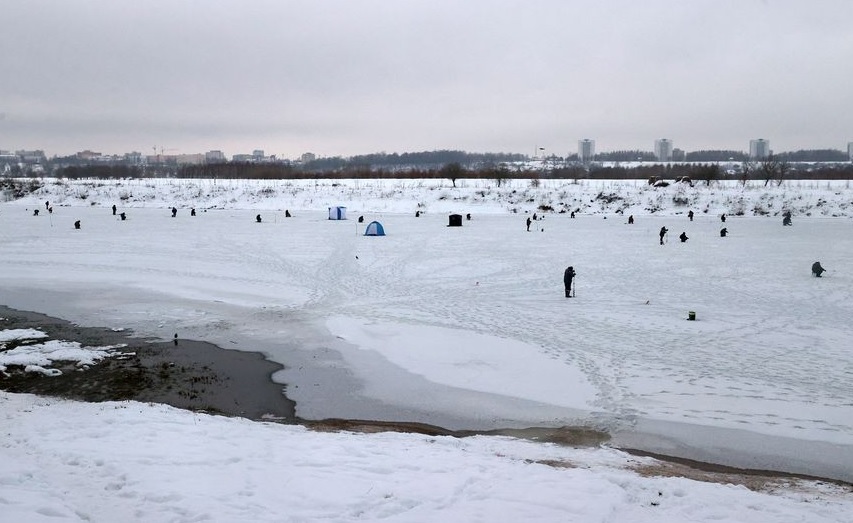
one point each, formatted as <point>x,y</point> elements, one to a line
<point>459,164</point>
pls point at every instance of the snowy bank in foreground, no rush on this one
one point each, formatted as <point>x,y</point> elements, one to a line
<point>136,462</point>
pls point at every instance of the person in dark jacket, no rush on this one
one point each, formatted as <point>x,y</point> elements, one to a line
<point>723,232</point>
<point>690,215</point>
<point>174,212</point>
<point>817,270</point>
<point>631,220</point>
<point>568,276</point>
<point>258,218</point>
<point>683,237</point>
<point>663,231</point>
<point>529,221</point>
<point>786,218</point>
<point>114,210</point>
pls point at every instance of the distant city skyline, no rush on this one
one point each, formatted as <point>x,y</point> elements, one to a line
<point>586,149</point>
<point>344,77</point>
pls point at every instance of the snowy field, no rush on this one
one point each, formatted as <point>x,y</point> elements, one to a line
<point>466,328</point>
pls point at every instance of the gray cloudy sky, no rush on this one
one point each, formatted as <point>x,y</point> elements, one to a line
<point>345,77</point>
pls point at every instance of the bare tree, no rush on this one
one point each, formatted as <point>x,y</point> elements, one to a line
<point>452,171</point>
<point>770,168</point>
<point>782,169</point>
<point>747,168</point>
<point>709,173</point>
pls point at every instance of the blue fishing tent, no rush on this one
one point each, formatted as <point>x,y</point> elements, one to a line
<point>374,229</point>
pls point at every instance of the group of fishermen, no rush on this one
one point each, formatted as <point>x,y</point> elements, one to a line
<point>569,274</point>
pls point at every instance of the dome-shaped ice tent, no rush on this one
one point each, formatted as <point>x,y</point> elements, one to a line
<point>374,229</point>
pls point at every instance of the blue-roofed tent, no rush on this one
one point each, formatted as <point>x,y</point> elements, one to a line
<point>374,229</point>
<point>337,213</point>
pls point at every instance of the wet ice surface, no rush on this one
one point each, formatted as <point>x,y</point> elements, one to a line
<point>766,364</point>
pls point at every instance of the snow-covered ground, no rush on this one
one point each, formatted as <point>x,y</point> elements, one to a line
<point>466,328</point>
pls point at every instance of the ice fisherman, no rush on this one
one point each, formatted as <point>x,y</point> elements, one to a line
<point>631,220</point>
<point>258,218</point>
<point>662,234</point>
<point>174,212</point>
<point>114,210</point>
<point>723,232</point>
<point>77,224</point>
<point>683,237</point>
<point>568,276</point>
<point>817,270</point>
<point>690,215</point>
<point>786,218</point>
<point>529,221</point>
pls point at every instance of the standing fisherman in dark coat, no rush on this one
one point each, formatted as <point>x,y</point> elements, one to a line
<point>567,280</point>
<point>663,231</point>
<point>817,270</point>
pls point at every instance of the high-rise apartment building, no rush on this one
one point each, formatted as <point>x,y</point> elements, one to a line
<point>759,149</point>
<point>663,150</point>
<point>586,150</point>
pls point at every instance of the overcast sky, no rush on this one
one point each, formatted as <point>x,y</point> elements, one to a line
<point>345,77</point>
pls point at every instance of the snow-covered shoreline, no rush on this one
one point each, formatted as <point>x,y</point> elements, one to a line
<point>802,197</point>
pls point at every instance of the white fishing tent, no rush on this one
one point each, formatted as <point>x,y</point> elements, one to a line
<point>337,213</point>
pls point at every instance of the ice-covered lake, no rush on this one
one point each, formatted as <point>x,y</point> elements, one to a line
<point>468,327</point>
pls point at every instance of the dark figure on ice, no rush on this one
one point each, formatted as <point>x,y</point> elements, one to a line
<point>723,232</point>
<point>77,224</point>
<point>361,219</point>
<point>683,237</point>
<point>723,218</point>
<point>114,210</point>
<point>468,216</point>
<point>786,218</point>
<point>50,209</point>
<point>174,212</point>
<point>192,211</point>
<point>286,213</point>
<point>529,221</point>
<point>631,220</point>
<point>35,212</point>
<point>417,214</point>
<point>817,270</point>
<point>690,215</point>
<point>258,218</point>
<point>534,217</point>
<point>662,234</point>
<point>568,276</point>
<point>572,215</point>
<point>47,205</point>
<point>123,216</point>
